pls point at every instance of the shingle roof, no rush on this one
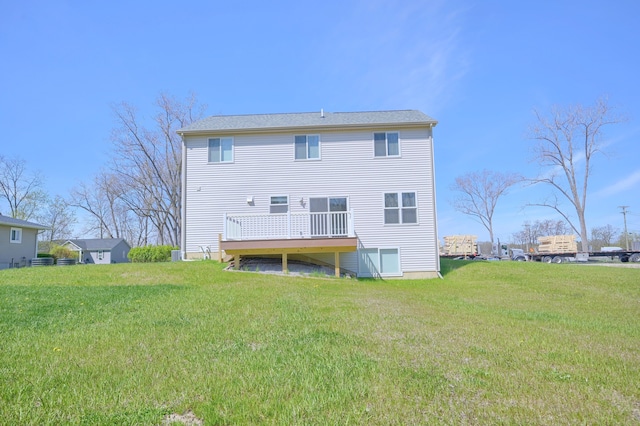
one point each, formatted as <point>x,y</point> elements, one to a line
<point>308,119</point>
<point>6,220</point>
<point>93,244</point>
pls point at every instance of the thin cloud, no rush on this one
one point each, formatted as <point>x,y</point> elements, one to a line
<point>409,63</point>
<point>628,183</point>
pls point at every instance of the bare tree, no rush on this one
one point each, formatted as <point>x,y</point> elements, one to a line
<point>147,163</point>
<point>603,236</point>
<point>480,192</point>
<point>551,227</point>
<point>567,141</point>
<point>59,219</point>
<point>94,199</point>
<point>23,191</point>
<point>109,216</point>
<point>528,235</point>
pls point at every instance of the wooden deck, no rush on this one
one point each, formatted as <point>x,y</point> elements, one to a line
<point>284,247</point>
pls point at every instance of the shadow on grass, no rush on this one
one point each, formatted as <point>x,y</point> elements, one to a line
<point>449,265</point>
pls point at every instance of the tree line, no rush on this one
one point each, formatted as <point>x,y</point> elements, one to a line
<point>136,196</point>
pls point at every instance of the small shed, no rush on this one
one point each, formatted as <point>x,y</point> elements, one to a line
<point>100,250</point>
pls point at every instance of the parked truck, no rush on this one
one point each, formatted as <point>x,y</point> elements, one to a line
<point>563,248</point>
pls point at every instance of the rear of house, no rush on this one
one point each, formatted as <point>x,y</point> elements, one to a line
<point>352,190</point>
<point>100,250</point>
<point>18,242</point>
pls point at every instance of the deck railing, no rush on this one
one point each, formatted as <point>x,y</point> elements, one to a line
<point>288,225</point>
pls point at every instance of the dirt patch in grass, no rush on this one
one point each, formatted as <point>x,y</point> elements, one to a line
<point>186,419</point>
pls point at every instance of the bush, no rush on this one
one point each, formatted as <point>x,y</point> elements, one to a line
<point>60,252</point>
<point>151,254</point>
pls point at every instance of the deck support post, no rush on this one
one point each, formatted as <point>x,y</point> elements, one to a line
<point>337,263</point>
<point>236,262</point>
<point>285,264</point>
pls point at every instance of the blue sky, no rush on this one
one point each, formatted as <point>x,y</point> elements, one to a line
<point>478,67</point>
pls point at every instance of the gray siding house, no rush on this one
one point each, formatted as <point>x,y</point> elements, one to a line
<point>18,242</point>
<point>354,190</point>
<point>100,250</point>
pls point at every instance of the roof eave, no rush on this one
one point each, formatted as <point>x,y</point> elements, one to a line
<point>279,129</point>
<point>20,225</point>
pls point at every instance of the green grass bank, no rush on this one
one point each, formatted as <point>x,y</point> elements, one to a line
<point>491,343</point>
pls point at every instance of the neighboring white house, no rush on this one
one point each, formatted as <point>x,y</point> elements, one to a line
<point>18,242</point>
<point>100,250</point>
<point>354,190</point>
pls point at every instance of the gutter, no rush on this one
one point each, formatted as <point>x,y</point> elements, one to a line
<point>293,129</point>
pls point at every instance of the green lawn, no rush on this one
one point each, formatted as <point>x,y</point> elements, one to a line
<point>491,343</point>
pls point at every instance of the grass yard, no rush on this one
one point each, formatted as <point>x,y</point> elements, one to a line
<point>491,343</point>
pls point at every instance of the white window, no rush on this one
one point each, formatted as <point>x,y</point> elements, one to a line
<point>400,207</point>
<point>100,254</point>
<point>379,262</point>
<point>279,204</point>
<point>16,235</point>
<point>307,147</point>
<point>221,150</point>
<point>386,144</point>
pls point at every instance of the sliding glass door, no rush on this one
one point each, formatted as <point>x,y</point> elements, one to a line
<point>328,216</point>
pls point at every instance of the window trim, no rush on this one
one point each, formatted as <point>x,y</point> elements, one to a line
<point>386,143</point>
<point>271,204</point>
<point>18,233</point>
<point>306,143</point>
<point>221,161</point>
<point>399,208</point>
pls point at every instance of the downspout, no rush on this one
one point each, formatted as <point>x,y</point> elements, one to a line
<point>36,253</point>
<point>183,207</point>
<point>435,210</point>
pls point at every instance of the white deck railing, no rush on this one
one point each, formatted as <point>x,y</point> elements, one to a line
<point>287,225</point>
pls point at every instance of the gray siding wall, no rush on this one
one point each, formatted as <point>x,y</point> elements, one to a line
<point>264,166</point>
<point>93,254</point>
<point>16,251</point>
<point>120,252</point>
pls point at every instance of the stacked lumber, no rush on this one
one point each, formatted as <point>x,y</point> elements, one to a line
<point>557,244</point>
<point>460,245</point>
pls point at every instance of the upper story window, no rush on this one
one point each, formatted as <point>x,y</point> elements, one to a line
<point>16,235</point>
<point>221,150</point>
<point>386,144</point>
<point>279,204</point>
<point>400,207</point>
<point>307,147</point>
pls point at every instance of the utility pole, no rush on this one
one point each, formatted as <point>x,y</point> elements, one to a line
<point>626,234</point>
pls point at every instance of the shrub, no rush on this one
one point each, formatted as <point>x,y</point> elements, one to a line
<point>60,252</point>
<point>151,254</point>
